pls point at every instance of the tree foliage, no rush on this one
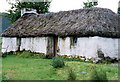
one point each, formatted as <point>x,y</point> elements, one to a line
<point>15,12</point>
<point>119,10</point>
<point>89,4</point>
<point>0,14</point>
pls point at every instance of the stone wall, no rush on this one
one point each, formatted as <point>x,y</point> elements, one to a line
<point>9,44</point>
<point>37,44</point>
<point>88,47</point>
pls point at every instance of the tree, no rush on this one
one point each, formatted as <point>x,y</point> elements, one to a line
<point>15,12</point>
<point>119,10</point>
<point>89,4</point>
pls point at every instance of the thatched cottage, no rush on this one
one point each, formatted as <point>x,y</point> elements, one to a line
<point>81,32</point>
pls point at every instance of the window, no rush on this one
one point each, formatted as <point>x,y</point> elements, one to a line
<point>73,41</point>
<point>18,43</point>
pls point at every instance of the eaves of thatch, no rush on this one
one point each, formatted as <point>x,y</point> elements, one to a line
<point>82,22</point>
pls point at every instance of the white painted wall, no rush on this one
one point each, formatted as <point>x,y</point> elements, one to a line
<point>36,44</point>
<point>88,47</point>
<point>9,44</point>
<point>85,46</point>
<point>109,46</point>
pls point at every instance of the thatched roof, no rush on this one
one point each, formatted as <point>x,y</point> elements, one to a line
<point>83,22</point>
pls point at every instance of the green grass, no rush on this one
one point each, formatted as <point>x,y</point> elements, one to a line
<point>0,44</point>
<point>17,68</point>
<point>0,60</point>
<point>1,14</point>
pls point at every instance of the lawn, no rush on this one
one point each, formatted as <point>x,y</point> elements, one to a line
<point>0,59</point>
<point>0,44</point>
<point>17,68</point>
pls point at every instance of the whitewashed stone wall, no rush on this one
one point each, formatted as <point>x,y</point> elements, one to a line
<point>85,46</point>
<point>88,46</point>
<point>36,44</point>
<point>109,47</point>
<point>9,44</point>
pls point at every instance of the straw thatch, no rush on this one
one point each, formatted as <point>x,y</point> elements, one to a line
<point>83,22</point>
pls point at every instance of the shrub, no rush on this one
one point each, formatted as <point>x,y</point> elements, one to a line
<point>98,75</point>
<point>25,54</point>
<point>58,62</point>
<point>6,54</point>
<point>71,74</point>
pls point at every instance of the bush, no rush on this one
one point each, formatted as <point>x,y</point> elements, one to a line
<point>98,75</point>
<point>58,62</point>
<point>25,54</point>
<point>71,74</point>
<point>6,54</point>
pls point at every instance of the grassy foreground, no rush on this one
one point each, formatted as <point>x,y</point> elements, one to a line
<point>16,68</point>
<point>0,44</point>
<point>0,60</point>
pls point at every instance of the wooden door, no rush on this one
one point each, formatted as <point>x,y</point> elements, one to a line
<point>55,45</point>
<point>51,47</point>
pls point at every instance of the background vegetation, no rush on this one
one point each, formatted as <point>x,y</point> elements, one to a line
<point>15,12</point>
<point>90,3</point>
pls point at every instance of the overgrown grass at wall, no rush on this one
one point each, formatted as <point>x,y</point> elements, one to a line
<point>19,68</point>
